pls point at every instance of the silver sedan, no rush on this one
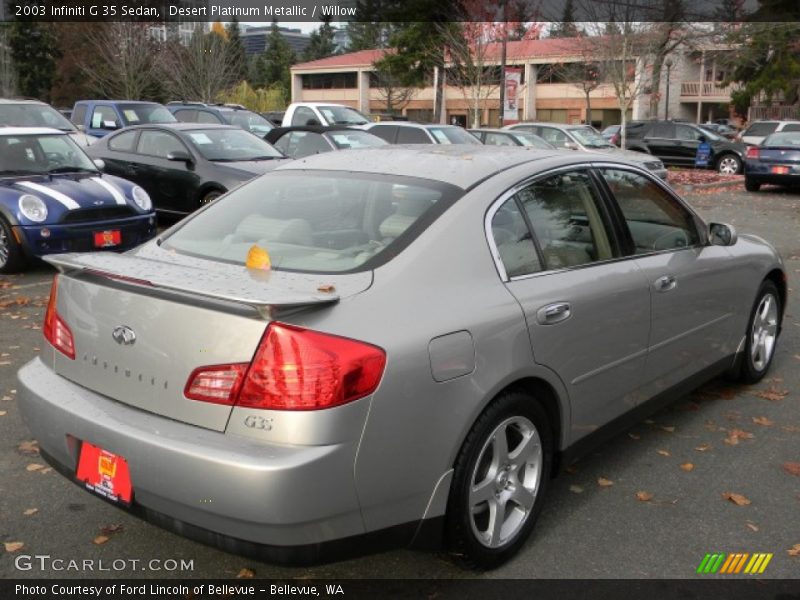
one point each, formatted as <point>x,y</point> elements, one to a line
<point>394,346</point>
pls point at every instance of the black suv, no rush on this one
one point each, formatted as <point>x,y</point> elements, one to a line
<point>676,144</point>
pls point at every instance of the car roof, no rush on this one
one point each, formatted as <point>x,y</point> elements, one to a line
<point>460,165</point>
<point>497,130</point>
<point>119,102</point>
<point>315,129</point>
<point>181,126</point>
<point>323,104</point>
<point>22,101</point>
<point>413,124</point>
<point>9,131</point>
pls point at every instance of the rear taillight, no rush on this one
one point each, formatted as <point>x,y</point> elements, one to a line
<point>615,139</point>
<point>219,384</point>
<point>752,152</point>
<point>293,369</point>
<point>55,330</point>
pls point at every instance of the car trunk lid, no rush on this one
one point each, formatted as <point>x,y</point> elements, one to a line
<point>779,156</point>
<point>182,314</point>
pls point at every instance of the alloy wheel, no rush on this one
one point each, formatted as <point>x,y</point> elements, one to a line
<point>5,247</point>
<point>505,481</point>
<point>728,165</point>
<point>764,333</point>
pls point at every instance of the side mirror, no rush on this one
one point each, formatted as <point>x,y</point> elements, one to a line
<point>702,139</point>
<point>570,145</point>
<point>179,156</point>
<point>722,234</point>
<point>99,163</point>
<point>110,125</point>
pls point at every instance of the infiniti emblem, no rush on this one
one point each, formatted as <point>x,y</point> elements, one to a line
<point>98,202</point>
<point>124,335</point>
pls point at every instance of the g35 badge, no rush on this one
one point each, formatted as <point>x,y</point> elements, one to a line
<point>255,422</point>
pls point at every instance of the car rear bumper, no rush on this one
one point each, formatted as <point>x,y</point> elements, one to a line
<point>79,237</point>
<point>223,484</point>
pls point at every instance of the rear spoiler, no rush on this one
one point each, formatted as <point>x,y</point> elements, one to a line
<point>223,287</point>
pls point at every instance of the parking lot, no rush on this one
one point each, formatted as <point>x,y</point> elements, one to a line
<point>718,471</point>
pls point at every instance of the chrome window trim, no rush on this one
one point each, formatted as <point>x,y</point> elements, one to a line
<point>510,192</point>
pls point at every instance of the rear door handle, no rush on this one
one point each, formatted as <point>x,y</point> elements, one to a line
<point>554,313</point>
<point>666,283</point>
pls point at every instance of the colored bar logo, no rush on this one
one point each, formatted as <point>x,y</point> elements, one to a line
<point>735,563</point>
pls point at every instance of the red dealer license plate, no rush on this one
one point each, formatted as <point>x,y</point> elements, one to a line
<point>105,473</point>
<point>107,239</point>
<point>780,170</point>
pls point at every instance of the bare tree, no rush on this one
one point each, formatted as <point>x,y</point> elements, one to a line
<point>202,69</point>
<point>391,89</point>
<point>8,77</point>
<point>123,61</point>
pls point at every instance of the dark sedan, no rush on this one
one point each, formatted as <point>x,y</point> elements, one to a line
<point>510,137</point>
<point>776,161</point>
<point>185,165</point>
<point>299,142</point>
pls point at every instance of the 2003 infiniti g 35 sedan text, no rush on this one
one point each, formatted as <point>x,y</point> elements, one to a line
<point>440,328</point>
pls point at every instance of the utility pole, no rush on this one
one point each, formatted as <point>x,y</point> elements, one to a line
<point>504,47</point>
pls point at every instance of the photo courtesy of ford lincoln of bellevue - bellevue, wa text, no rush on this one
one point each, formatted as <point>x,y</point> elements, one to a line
<point>403,299</point>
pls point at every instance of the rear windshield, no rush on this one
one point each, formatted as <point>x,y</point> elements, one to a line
<point>33,115</point>
<point>790,139</point>
<point>137,114</point>
<point>761,128</point>
<point>355,139</point>
<point>315,221</point>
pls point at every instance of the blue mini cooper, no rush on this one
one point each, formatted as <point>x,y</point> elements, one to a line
<point>53,198</point>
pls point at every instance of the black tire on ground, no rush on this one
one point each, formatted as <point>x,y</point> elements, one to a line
<point>762,334</point>
<point>751,185</point>
<point>209,197</point>
<point>12,257</point>
<point>503,469</point>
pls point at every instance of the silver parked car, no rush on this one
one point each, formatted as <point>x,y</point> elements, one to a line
<point>440,327</point>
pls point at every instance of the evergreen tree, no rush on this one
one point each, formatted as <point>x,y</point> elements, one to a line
<point>34,53</point>
<point>321,41</point>
<point>274,64</point>
<point>566,27</point>
<point>236,47</point>
<point>373,29</point>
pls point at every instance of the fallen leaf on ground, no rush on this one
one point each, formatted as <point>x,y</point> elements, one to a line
<point>634,436</point>
<point>3,413</point>
<point>703,447</point>
<point>792,468</point>
<point>732,441</point>
<point>737,499</point>
<point>792,428</point>
<point>772,394</point>
<point>246,574</point>
<point>752,526</point>
<point>740,433</point>
<point>795,551</point>
<point>111,529</point>
<point>643,496</point>
<point>13,546</point>
<point>30,511</point>
<point>34,467</point>
<point>603,482</point>
<point>100,540</point>
<point>28,447</point>
<point>663,452</point>
<point>667,428</point>
<point>576,489</point>
<point>46,470</point>
<point>763,421</point>
<point>687,467</point>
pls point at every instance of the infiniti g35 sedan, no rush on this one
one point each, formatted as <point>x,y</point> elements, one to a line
<point>395,346</point>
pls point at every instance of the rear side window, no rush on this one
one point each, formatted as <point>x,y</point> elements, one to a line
<point>412,135</point>
<point>764,128</point>
<point>662,130</point>
<point>513,241</point>
<point>203,116</point>
<point>791,127</point>
<point>554,136</point>
<point>655,219</point>
<point>385,132</point>
<point>304,116</point>
<point>318,222</point>
<point>159,144</point>
<point>123,142</point>
<point>186,115</point>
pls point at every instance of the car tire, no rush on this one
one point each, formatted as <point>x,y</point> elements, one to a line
<point>210,196</point>
<point>751,185</point>
<point>12,257</point>
<point>762,334</point>
<point>728,164</point>
<point>500,480</point>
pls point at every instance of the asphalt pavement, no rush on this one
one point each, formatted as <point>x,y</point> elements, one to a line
<point>702,476</point>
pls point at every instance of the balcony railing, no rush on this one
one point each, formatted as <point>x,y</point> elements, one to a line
<point>706,88</point>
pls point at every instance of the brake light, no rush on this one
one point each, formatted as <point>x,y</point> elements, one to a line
<point>615,139</point>
<point>300,369</point>
<point>752,152</point>
<point>218,384</point>
<point>55,330</point>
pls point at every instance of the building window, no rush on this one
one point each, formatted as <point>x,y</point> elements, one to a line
<point>330,81</point>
